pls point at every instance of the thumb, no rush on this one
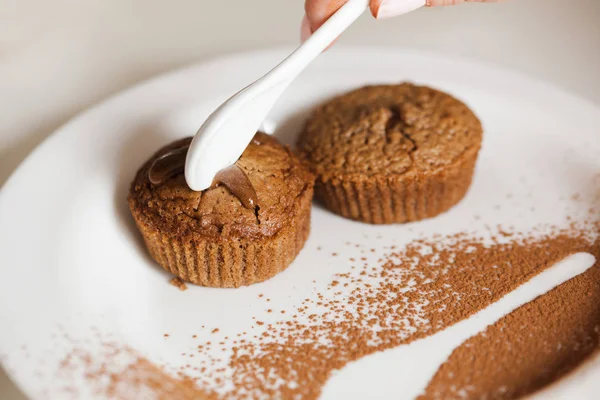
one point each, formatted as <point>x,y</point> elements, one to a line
<point>317,12</point>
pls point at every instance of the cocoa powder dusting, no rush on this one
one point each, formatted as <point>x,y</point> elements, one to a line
<point>139,378</point>
<point>529,348</point>
<point>448,283</point>
<point>413,292</point>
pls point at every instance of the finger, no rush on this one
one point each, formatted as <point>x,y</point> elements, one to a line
<point>435,3</point>
<point>305,30</point>
<point>319,11</point>
<point>391,8</point>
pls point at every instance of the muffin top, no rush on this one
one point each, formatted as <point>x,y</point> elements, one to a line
<point>388,129</point>
<point>267,172</point>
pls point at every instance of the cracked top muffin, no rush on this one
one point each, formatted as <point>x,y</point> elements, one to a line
<point>245,228</point>
<point>391,153</point>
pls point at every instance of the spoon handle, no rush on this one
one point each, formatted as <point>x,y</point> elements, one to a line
<point>296,62</point>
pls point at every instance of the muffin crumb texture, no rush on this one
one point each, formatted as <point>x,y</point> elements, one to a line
<point>210,238</point>
<point>391,153</point>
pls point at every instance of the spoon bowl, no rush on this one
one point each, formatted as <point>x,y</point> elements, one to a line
<point>226,133</point>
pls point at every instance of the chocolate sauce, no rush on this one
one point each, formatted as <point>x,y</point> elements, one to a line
<point>234,179</point>
<point>168,165</point>
<point>172,163</point>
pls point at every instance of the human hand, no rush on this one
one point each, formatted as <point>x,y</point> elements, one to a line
<point>318,11</point>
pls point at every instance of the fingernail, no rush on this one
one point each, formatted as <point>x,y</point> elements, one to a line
<point>436,3</point>
<point>305,30</point>
<point>393,8</point>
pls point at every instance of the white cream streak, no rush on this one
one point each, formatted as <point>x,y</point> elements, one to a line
<point>409,368</point>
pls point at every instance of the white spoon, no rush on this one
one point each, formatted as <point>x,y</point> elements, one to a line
<point>226,133</point>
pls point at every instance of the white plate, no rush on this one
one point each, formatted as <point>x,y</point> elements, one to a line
<point>71,259</point>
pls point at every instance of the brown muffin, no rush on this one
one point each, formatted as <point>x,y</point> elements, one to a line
<point>246,228</point>
<point>391,154</point>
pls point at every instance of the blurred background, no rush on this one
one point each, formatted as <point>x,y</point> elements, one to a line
<point>59,57</point>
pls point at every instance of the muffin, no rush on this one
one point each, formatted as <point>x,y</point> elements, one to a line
<point>391,153</point>
<point>247,227</point>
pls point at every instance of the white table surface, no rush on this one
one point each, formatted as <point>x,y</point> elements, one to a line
<point>59,57</point>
